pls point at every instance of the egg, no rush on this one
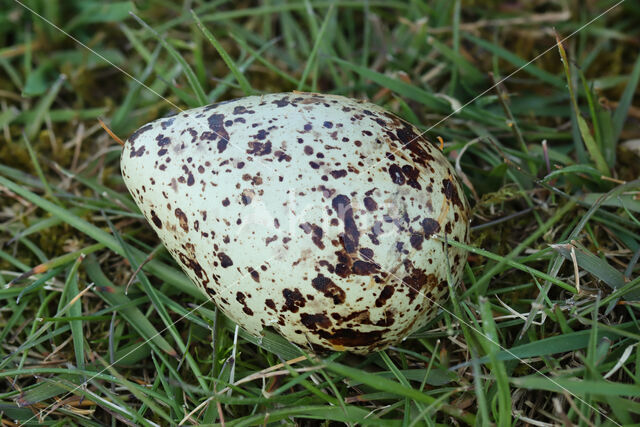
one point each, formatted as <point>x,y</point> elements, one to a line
<point>315,215</point>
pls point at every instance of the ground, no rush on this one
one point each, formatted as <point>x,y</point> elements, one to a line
<point>536,105</point>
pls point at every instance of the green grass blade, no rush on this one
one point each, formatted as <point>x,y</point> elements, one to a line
<point>103,191</point>
<point>58,115</point>
<point>398,375</point>
<point>75,310</point>
<point>26,290</point>
<point>578,388</point>
<point>516,61</point>
<point>622,201</point>
<point>573,169</point>
<point>16,316</point>
<point>115,297</point>
<point>121,117</point>
<point>38,169</point>
<point>481,284</point>
<point>137,392</point>
<point>563,343</point>
<point>428,99</point>
<point>11,72</point>
<point>242,80</point>
<point>312,59</point>
<point>354,414</point>
<point>468,70</point>
<point>257,55</point>
<point>270,341</point>
<point>191,76</point>
<point>585,132</point>
<point>592,146</point>
<point>596,266</point>
<point>156,267</point>
<point>47,389</point>
<point>606,149</point>
<point>42,108</point>
<point>620,115</point>
<point>100,12</point>
<point>491,344</point>
<point>390,386</point>
<point>161,309</point>
<point>515,264</point>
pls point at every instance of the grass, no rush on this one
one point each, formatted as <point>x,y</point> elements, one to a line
<point>553,185</point>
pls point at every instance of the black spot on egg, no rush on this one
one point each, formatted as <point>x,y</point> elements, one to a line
<point>416,240</point>
<point>340,173</point>
<point>134,136</point>
<point>293,300</point>
<point>225,260</point>
<point>329,289</point>
<point>350,238</point>
<point>216,124</point>
<point>315,321</point>
<point>155,219</point>
<point>430,226</point>
<point>283,102</point>
<point>364,268</point>
<point>137,153</point>
<point>259,148</point>
<point>385,294</point>
<point>370,204</point>
<point>182,219</point>
<point>396,174</point>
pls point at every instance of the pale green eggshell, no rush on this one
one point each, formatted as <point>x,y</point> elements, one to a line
<point>312,214</point>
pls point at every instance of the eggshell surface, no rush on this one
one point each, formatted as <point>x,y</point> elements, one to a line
<point>312,214</point>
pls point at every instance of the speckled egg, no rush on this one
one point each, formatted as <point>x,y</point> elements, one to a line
<point>312,214</point>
